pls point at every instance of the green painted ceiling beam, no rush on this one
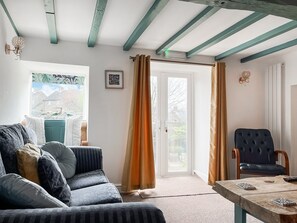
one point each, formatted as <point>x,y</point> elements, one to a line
<point>49,7</point>
<point>196,21</point>
<point>269,51</point>
<point>145,22</point>
<point>227,32</point>
<point>9,17</point>
<point>266,36</point>
<point>283,8</point>
<point>97,19</point>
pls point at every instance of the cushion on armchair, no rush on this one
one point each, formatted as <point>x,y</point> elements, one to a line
<point>37,125</point>
<point>54,130</point>
<point>32,135</point>
<point>73,131</point>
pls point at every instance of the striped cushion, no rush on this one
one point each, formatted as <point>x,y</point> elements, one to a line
<point>98,194</point>
<point>87,179</point>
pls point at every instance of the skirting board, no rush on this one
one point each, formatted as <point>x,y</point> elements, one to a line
<point>119,187</point>
<point>203,176</point>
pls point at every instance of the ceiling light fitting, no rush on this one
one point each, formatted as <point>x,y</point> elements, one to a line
<point>18,43</point>
<point>245,77</point>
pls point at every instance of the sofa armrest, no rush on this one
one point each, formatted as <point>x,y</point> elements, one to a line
<point>112,213</point>
<point>88,158</point>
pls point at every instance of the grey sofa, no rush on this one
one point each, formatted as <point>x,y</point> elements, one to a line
<point>93,197</point>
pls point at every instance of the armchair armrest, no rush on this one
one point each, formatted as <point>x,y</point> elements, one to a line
<point>286,158</point>
<point>84,143</point>
<point>88,158</point>
<point>236,155</point>
<point>112,213</point>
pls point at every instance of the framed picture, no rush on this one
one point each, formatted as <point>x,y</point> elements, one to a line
<point>114,79</point>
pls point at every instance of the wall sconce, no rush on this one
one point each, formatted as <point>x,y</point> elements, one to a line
<point>245,77</point>
<point>18,43</point>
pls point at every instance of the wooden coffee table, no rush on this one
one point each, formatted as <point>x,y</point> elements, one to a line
<point>259,203</point>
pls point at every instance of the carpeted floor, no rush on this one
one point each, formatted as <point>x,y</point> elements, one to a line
<point>187,199</point>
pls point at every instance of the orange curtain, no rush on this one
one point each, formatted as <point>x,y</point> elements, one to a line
<point>218,126</point>
<point>139,171</point>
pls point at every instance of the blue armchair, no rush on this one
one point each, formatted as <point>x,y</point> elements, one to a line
<point>254,153</point>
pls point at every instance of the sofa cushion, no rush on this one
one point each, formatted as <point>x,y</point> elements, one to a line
<point>12,137</point>
<point>2,169</point>
<point>23,193</point>
<point>32,135</point>
<point>73,131</point>
<point>37,124</point>
<point>52,179</point>
<point>64,156</point>
<point>87,179</point>
<point>54,130</point>
<point>98,194</point>
<point>27,158</point>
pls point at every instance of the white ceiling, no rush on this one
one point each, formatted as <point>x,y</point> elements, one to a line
<point>74,19</point>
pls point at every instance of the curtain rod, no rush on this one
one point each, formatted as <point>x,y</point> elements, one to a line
<point>177,61</point>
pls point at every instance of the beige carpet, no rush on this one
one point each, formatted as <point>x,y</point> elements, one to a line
<point>208,207</point>
<point>176,187</point>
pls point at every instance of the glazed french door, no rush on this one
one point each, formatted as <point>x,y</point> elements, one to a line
<point>171,115</point>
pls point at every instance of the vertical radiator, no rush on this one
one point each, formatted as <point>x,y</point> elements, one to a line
<point>273,99</point>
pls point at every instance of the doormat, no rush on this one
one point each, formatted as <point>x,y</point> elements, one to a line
<point>144,195</point>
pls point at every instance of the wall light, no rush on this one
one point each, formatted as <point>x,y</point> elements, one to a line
<point>245,77</point>
<point>18,43</point>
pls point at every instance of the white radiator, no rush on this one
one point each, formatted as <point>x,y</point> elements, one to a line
<point>273,99</point>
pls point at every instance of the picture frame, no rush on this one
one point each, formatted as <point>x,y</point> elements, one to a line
<point>114,79</point>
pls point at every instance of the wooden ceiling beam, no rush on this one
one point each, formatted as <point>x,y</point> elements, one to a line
<point>259,39</point>
<point>254,17</point>
<point>269,51</point>
<point>283,8</point>
<point>9,18</point>
<point>155,9</point>
<point>97,19</point>
<point>196,21</point>
<point>49,7</point>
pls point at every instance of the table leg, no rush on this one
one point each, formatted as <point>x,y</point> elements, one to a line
<point>240,214</point>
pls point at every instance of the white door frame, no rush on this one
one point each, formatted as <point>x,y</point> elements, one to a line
<point>162,154</point>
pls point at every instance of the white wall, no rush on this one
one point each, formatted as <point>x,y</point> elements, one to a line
<point>245,103</point>
<point>14,82</point>
<point>108,109</point>
<point>289,98</point>
<point>202,98</point>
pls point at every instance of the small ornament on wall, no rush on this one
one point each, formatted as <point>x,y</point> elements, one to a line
<point>245,77</point>
<point>114,79</point>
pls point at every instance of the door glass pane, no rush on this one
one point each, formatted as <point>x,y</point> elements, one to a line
<point>177,125</point>
<point>155,118</point>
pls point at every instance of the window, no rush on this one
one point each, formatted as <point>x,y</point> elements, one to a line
<point>56,96</point>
